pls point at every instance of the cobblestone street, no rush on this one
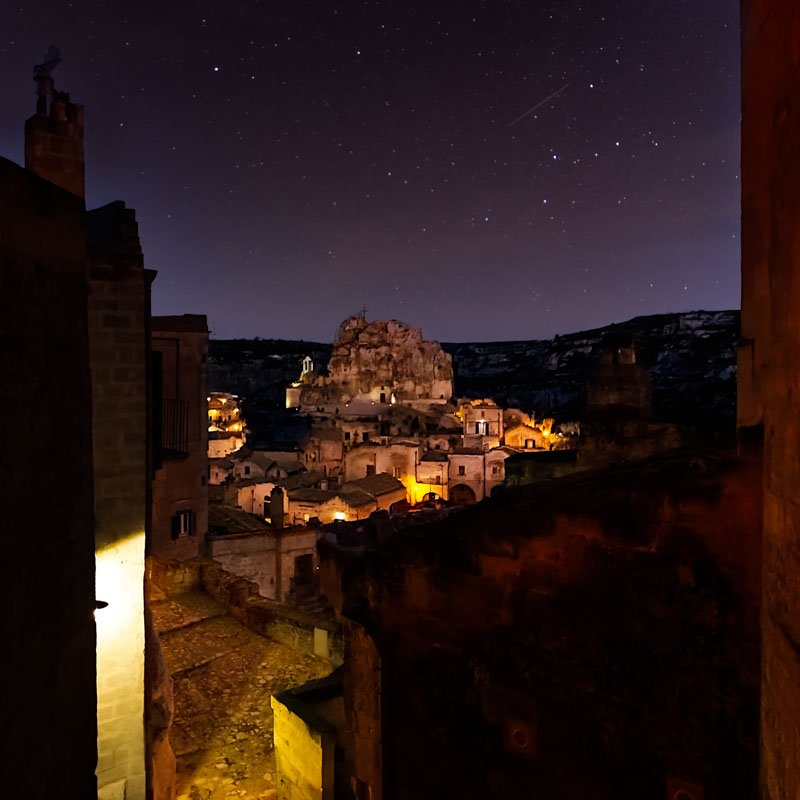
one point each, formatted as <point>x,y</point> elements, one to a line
<point>223,675</point>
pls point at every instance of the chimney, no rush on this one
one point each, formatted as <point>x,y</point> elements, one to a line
<point>54,134</point>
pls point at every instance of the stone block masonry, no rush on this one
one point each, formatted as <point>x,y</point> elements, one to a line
<point>119,353</point>
<point>304,748</point>
<point>768,378</point>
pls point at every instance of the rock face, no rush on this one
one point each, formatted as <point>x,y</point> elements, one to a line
<point>381,362</point>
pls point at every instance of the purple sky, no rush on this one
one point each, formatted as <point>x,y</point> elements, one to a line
<point>291,162</point>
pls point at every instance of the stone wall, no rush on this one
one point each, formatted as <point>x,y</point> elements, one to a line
<point>119,309</point>
<point>48,635</point>
<point>769,381</point>
<point>180,483</point>
<point>250,555</point>
<point>308,632</point>
<point>596,636</point>
<point>304,750</point>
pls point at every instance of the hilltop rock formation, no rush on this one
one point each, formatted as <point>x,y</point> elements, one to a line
<point>378,362</point>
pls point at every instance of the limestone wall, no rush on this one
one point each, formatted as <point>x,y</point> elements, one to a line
<point>250,556</point>
<point>304,751</point>
<point>769,380</point>
<point>309,632</point>
<point>593,637</point>
<point>118,314</point>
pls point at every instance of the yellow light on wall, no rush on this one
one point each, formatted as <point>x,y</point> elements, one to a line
<point>119,581</point>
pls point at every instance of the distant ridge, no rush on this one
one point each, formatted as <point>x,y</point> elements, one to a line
<point>691,358</point>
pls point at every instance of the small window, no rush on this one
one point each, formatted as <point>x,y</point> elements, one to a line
<point>462,470</point>
<point>495,470</point>
<point>347,436</point>
<point>247,470</point>
<point>397,472</point>
<point>370,470</point>
<point>182,524</point>
<point>364,437</point>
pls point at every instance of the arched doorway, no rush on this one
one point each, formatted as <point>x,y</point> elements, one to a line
<point>462,495</point>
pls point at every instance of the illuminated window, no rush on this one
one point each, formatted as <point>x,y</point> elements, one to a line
<point>482,427</point>
<point>397,472</point>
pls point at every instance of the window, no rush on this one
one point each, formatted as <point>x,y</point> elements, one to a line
<point>495,470</point>
<point>370,469</point>
<point>347,436</point>
<point>462,470</point>
<point>247,470</point>
<point>482,427</point>
<point>397,472</point>
<point>182,524</point>
<point>365,437</point>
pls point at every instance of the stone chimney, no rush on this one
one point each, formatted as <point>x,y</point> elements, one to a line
<point>54,134</point>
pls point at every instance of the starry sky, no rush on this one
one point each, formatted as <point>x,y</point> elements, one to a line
<point>505,169</point>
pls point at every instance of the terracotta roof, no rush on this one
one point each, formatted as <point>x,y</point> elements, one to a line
<point>435,455</point>
<point>224,520</point>
<point>356,498</point>
<point>307,495</point>
<point>376,485</point>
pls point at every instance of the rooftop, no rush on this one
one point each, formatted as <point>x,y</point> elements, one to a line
<point>224,520</point>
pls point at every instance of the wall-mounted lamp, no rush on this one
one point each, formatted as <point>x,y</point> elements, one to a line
<point>100,604</point>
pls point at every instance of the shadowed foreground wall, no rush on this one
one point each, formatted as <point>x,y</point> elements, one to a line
<point>594,636</point>
<point>769,378</point>
<point>47,573</point>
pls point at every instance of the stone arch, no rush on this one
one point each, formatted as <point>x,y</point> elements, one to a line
<point>462,495</point>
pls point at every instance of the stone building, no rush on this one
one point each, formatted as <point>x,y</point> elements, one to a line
<point>90,349</point>
<point>353,500</point>
<point>281,561</point>
<point>483,425</point>
<point>50,711</point>
<point>380,363</point>
<point>768,378</point>
<point>226,428</point>
<point>180,485</point>
<point>474,472</point>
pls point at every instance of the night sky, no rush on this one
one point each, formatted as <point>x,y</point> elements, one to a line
<point>291,162</point>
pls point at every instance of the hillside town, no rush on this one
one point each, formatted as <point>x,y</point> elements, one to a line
<point>383,435</point>
<point>362,583</point>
